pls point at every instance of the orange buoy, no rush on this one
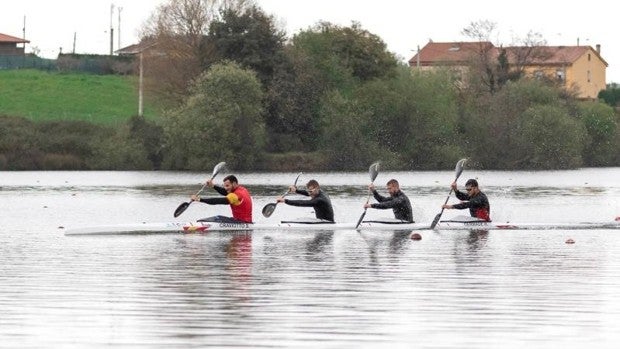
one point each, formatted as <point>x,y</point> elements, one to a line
<point>416,236</point>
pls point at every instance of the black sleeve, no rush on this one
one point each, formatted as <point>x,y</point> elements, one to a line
<point>460,195</point>
<point>220,190</point>
<point>476,201</point>
<point>462,205</point>
<point>379,197</point>
<point>302,192</point>
<point>303,203</point>
<point>215,201</point>
<point>388,203</point>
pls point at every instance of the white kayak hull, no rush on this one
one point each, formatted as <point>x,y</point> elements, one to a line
<point>313,225</point>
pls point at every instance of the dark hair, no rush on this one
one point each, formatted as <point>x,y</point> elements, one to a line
<point>312,183</point>
<point>472,182</point>
<point>231,178</point>
<point>392,181</point>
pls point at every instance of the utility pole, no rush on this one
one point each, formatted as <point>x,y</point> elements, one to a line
<point>119,26</point>
<point>111,30</point>
<point>140,86</point>
<point>24,34</point>
<point>418,60</point>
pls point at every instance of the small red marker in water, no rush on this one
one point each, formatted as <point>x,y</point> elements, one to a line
<point>416,236</point>
<point>570,241</point>
<point>618,219</point>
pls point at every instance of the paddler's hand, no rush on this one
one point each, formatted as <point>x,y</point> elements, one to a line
<point>367,205</point>
<point>446,206</point>
<point>371,187</point>
<point>453,186</point>
<point>292,189</point>
<point>209,183</point>
<point>280,199</point>
<point>195,197</point>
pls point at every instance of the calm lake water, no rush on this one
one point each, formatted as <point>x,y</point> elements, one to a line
<point>278,289</point>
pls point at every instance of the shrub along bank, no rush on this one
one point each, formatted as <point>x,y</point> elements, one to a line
<point>407,121</point>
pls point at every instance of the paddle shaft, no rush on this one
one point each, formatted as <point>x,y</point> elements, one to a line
<point>459,170</point>
<point>445,202</point>
<point>205,185</point>
<point>185,205</point>
<point>294,184</point>
<point>268,212</point>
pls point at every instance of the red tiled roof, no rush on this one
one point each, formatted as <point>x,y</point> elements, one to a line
<point>11,39</point>
<point>556,55</point>
<point>455,52</point>
<point>461,52</point>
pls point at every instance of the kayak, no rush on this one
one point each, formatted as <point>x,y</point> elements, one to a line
<point>309,224</point>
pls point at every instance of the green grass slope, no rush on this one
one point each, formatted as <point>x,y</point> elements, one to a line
<point>40,95</point>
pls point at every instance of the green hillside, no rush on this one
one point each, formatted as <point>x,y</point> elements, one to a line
<point>40,95</point>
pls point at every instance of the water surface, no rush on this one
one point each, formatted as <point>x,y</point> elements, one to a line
<point>272,289</point>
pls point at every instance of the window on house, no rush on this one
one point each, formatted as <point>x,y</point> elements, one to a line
<point>539,74</point>
<point>589,76</point>
<point>589,57</point>
<point>560,74</point>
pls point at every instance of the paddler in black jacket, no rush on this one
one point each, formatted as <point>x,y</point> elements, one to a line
<point>474,199</point>
<point>397,201</point>
<point>318,200</point>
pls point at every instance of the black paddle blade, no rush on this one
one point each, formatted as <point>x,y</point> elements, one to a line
<point>373,171</point>
<point>296,179</point>
<point>268,209</point>
<point>436,220</point>
<point>219,167</point>
<point>182,207</point>
<point>459,167</point>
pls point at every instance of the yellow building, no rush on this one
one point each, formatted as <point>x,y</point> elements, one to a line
<point>576,67</point>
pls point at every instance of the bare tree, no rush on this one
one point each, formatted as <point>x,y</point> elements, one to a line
<point>483,60</point>
<point>495,65</point>
<point>480,30</point>
<point>177,30</point>
<point>525,51</point>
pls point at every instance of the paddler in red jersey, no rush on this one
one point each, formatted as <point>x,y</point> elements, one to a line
<point>235,195</point>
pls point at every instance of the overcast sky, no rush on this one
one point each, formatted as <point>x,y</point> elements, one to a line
<point>402,24</point>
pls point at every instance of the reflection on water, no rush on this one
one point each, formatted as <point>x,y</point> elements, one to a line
<point>274,289</point>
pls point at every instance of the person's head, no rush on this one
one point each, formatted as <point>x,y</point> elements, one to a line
<point>313,187</point>
<point>393,187</point>
<point>471,186</point>
<point>230,183</point>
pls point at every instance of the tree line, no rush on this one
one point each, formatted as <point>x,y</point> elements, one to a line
<point>329,98</point>
<point>336,94</point>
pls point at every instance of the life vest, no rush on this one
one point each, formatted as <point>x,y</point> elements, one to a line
<point>241,204</point>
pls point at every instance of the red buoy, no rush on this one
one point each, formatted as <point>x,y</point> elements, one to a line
<point>416,236</point>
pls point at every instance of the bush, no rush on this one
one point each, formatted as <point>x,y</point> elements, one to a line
<point>550,139</point>
<point>220,121</point>
<point>65,162</point>
<point>526,125</point>
<point>603,129</point>
<point>69,145</point>
<point>296,161</point>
